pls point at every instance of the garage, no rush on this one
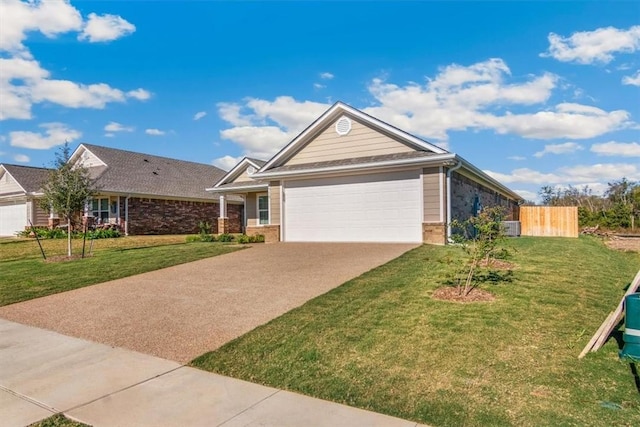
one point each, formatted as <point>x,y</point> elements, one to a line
<point>13,217</point>
<point>383,207</point>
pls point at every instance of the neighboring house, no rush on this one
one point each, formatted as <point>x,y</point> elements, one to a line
<point>147,194</point>
<point>19,190</point>
<point>350,177</point>
<point>141,193</point>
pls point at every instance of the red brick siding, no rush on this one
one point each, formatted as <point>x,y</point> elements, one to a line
<point>158,216</point>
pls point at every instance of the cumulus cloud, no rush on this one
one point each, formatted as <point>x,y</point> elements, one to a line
<point>117,127</point>
<point>103,28</point>
<point>21,158</point>
<point>154,132</point>
<point>571,175</point>
<point>517,158</point>
<point>54,134</point>
<point>613,148</point>
<point>633,80</point>
<point>199,115</point>
<point>226,162</point>
<point>23,82</point>
<point>326,75</point>
<point>588,47</point>
<point>565,148</point>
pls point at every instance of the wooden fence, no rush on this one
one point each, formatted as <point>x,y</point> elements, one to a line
<point>558,221</point>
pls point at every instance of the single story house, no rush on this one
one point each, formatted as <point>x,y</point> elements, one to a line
<point>19,190</point>
<point>141,193</point>
<point>350,177</point>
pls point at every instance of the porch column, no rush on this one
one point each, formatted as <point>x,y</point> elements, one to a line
<point>223,220</point>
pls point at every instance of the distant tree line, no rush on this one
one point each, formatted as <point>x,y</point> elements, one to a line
<point>617,208</point>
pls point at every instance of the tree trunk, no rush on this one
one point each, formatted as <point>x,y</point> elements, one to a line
<point>69,237</point>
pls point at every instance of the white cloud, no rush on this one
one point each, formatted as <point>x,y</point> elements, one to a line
<point>154,132</point>
<point>54,134</point>
<point>103,28</point>
<point>117,127</point>
<point>139,94</point>
<point>226,162</point>
<point>326,75</point>
<point>21,158</point>
<point>517,158</point>
<point>587,47</point>
<point>565,148</point>
<point>23,82</point>
<point>527,195</point>
<point>633,80</point>
<point>109,135</point>
<point>199,115</point>
<point>318,86</point>
<point>613,148</point>
<point>592,175</point>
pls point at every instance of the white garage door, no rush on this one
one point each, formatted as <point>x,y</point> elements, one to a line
<point>364,208</point>
<point>12,218</point>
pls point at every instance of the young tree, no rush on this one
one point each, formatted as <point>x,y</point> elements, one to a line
<point>67,189</point>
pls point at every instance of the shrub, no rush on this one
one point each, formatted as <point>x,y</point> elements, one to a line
<point>226,237</point>
<point>102,234</point>
<point>191,239</point>
<point>243,239</point>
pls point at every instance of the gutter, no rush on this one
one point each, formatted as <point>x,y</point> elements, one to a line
<point>449,170</point>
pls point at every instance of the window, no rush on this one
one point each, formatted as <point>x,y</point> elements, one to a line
<point>263,209</point>
<point>100,209</point>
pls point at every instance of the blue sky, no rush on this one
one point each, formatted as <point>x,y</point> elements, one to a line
<point>534,93</point>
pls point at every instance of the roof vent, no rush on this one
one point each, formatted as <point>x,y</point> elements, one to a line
<point>343,126</point>
<point>251,170</point>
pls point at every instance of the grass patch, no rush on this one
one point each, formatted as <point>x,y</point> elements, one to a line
<point>380,342</point>
<point>24,276</point>
<point>58,420</point>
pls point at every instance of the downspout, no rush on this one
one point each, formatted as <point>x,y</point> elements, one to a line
<point>126,216</point>
<point>449,170</point>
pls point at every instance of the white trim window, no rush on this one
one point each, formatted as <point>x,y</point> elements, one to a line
<point>262,201</point>
<point>100,209</point>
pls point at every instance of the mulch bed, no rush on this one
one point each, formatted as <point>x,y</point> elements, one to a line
<point>450,293</point>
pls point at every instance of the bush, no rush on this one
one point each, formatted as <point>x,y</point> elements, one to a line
<point>244,239</point>
<point>226,237</point>
<point>102,234</point>
<point>201,238</point>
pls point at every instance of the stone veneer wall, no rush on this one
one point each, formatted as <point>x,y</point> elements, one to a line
<point>434,233</point>
<point>464,191</point>
<point>159,216</point>
<point>271,233</point>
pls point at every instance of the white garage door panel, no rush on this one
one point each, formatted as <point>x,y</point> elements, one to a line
<point>13,218</point>
<point>364,208</point>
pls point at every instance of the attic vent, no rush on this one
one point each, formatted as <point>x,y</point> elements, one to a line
<point>251,170</point>
<point>343,126</point>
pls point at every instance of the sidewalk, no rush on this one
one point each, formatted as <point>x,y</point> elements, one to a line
<point>43,372</point>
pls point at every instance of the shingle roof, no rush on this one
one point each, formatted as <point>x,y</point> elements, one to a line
<point>145,174</point>
<point>354,161</point>
<point>257,161</point>
<point>30,178</point>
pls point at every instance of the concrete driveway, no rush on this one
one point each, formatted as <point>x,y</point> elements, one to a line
<point>183,311</point>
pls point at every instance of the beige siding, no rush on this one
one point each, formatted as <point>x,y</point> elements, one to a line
<point>252,209</point>
<point>274,202</point>
<point>9,185</point>
<point>41,216</point>
<point>431,194</point>
<point>243,177</point>
<point>362,141</point>
<point>88,159</point>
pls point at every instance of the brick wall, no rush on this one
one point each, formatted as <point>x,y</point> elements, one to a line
<point>158,216</point>
<point>463,196</point>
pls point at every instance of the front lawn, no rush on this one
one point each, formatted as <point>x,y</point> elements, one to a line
<point>24,275</point>
<point>380,342</point>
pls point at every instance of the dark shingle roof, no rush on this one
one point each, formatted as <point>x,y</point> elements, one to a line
<point>257,161</point>
<point>352,162</point>
<point>138,173</point>
<point>30,178</point>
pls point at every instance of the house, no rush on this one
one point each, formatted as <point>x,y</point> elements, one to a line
<point>141,193</point>
<point>350,177</point>
<point>19,190</point>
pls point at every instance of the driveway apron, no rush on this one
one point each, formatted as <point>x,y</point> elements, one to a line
<point>180,312</point>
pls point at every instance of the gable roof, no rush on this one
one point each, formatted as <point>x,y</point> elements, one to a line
<point>336,110</point>
<point>226,181</point>
<point>29,178</point>
<point>129,172</point>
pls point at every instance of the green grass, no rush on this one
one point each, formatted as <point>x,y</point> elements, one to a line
<point>380,342</point>
<point>24,276</point>
<point>58,420</point>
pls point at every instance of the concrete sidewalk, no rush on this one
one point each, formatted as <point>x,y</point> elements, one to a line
<point>43,372</point>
